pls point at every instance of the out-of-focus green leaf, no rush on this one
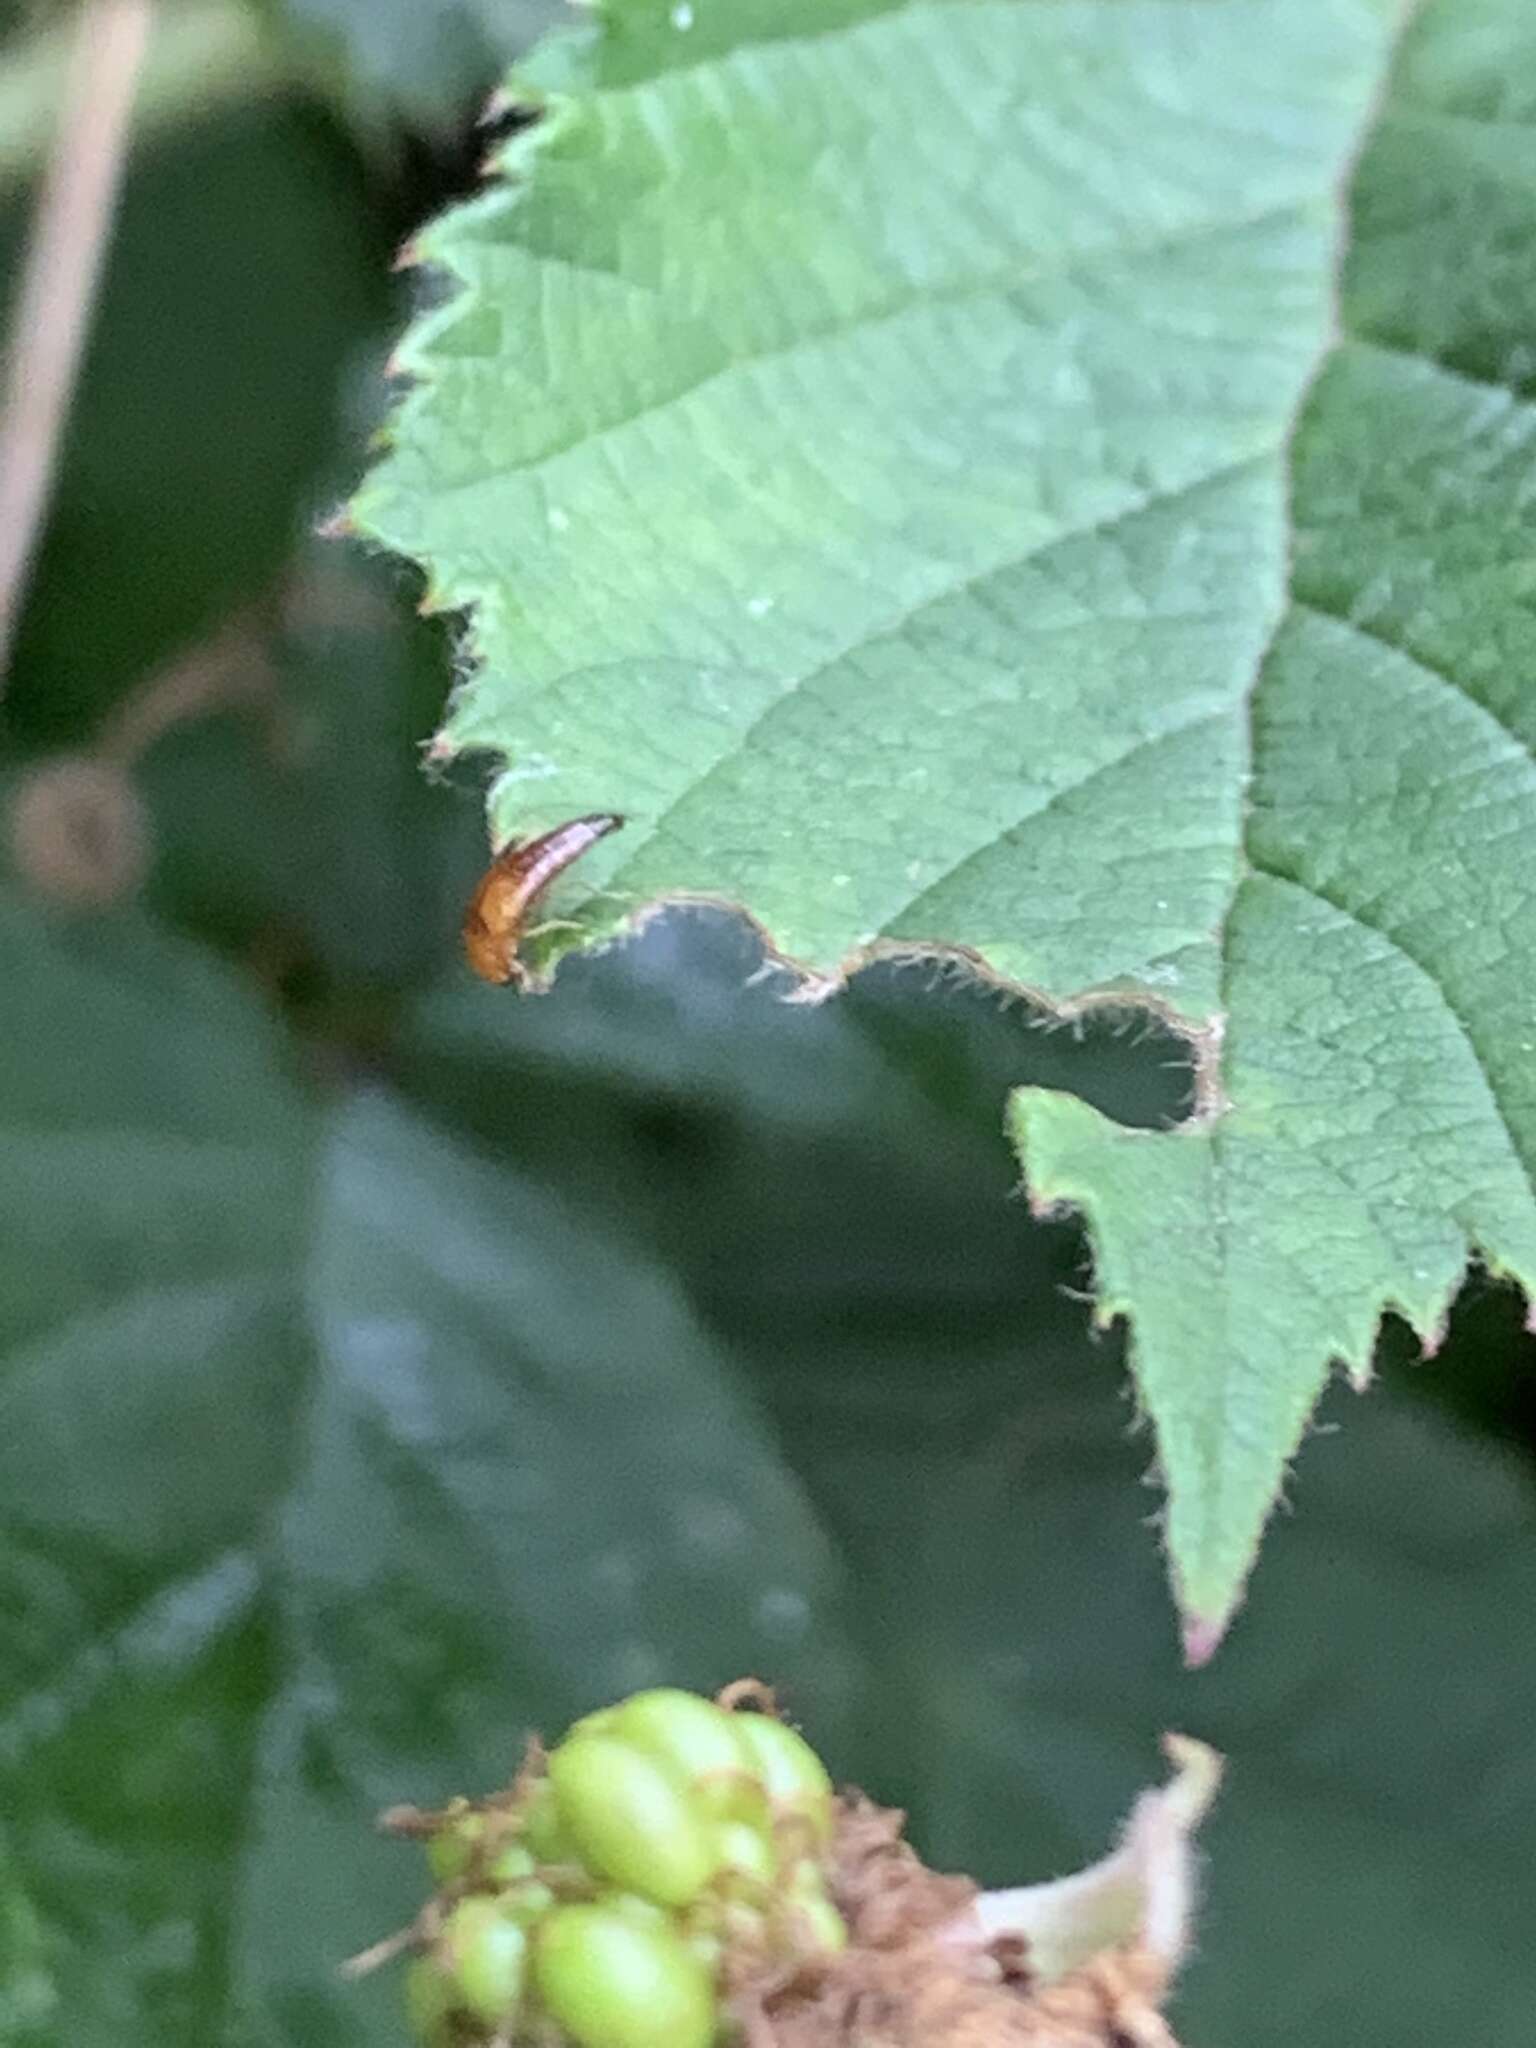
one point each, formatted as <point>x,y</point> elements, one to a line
<point>1367,1874</point>
<point>337,1448</point>
<point>152,1178</point>
<point>916,461</point>
<point>247,268</point>
<point>332,1461</point>
<point>295,824</point>
<point>982,1488</point>
<point>527,1484</point>
<point>29,1996</point>
<point>425,59</point>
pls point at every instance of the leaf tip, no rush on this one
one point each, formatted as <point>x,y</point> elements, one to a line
<point>502,103</point>
<point>338,525</point>
<point>1202,1638</point>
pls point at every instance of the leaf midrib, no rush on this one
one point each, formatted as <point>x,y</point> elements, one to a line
<point>895,625</point>
<point>1377,111</point>
<point>1524,1158</point>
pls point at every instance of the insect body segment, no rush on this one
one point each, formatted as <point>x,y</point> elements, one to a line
<point>496,922</point>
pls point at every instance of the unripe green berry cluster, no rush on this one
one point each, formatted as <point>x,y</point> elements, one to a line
<point>668,1845</point>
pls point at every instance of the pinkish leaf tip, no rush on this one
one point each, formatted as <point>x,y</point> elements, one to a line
<point>1202,1639</point>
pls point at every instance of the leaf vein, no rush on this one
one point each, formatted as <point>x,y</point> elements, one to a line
<point>898,622</point>
<point>844,328</point>
<point>1423,666</point>
<point>1357,917</point>
<point>1141,745</point>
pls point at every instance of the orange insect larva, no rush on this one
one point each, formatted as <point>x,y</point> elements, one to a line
<point>496,921</point>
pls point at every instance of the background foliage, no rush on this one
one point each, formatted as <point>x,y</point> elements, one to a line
<point>387,1365</point>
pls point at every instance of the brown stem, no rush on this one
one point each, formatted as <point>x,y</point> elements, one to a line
<point>230,667</point>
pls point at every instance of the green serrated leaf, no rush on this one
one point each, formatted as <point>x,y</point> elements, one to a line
<point>1376,1118</point>
<point>914,461</point>
<point>899,546</point>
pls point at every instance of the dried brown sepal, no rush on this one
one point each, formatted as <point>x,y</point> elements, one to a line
<point>881,1886</point>
<point>934,1963</point>
<point>927,1996</point>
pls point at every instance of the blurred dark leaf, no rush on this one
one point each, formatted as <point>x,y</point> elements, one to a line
<point>296,1400</point>
<point>340,1447</point>
<point>1369,1873</point>
<point>248,266</point>
<point>681,1030</point>
<point>424,60</point>
<point>298,820</point>
<point>855,1249</point>
<point>527,1483</point>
